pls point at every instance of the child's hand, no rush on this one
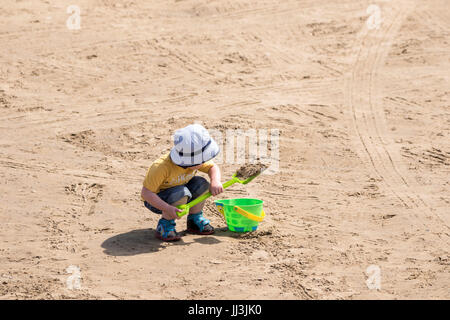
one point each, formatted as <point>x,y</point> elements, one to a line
<point>171,213</point>
<point>215,187</point>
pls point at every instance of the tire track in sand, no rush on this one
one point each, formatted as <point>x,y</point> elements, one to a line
<point>365,100</point>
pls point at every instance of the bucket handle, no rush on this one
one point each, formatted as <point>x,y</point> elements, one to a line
<point>249,215</point>
<point>243,212</point>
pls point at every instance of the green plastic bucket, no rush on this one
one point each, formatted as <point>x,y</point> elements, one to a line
<point>241,215</point>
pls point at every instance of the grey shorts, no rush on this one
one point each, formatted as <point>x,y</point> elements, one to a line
<point>193,189</point>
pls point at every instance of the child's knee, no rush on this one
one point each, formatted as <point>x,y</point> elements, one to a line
<point>198,186</point>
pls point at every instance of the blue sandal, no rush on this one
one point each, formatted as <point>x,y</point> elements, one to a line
<point>198,224</point>
<point>166,230</point>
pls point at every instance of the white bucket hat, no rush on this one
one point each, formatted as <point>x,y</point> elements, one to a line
<point>193,146</point>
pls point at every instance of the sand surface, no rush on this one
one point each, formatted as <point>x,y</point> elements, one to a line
<point>364,122</point>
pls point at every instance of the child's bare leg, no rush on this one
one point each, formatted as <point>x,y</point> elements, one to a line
<point>198,207</point>
<point>180,202</point>
<point>196,223</point>
<point>176,203</point>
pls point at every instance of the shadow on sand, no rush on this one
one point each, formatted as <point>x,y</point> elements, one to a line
<point>143,241</point>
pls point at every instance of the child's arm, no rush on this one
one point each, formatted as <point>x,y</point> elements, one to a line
<point>169,212</point>
<point>215,186</point>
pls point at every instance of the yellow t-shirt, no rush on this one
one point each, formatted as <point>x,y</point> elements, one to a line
<point>164,174</point>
